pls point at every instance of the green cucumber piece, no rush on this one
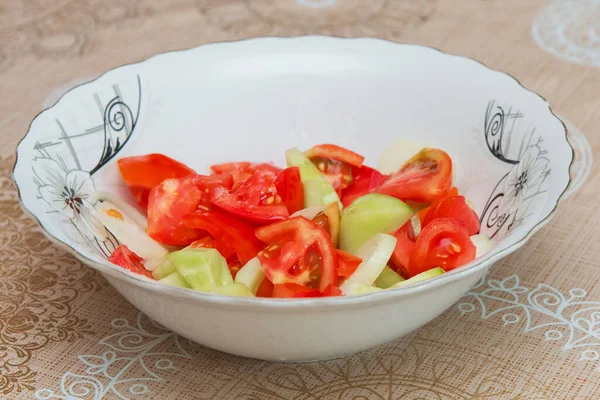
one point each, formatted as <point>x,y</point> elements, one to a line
<point>251,275</point>
<point>203,269</point>
<point>423,276</point>
<point>233,289</point>
<point>175,279</point>
<point>371,214</point>
<point>164,269</point>
<point>387,278</point>
<point>317,191</point>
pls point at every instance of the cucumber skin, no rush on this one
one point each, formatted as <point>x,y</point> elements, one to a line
<point>388,278</point>
<point>164,269</point>
<point>175,279</point>
<point>371,214</point>
<point>423,276</point>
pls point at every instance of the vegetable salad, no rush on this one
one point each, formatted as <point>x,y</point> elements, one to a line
<point>326,225</point>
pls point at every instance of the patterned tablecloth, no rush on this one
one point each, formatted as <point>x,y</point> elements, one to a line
<point>530,330</point>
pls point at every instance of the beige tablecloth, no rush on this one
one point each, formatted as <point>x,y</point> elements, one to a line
<point>531,330</point>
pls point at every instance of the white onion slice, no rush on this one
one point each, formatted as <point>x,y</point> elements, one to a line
<point>375,254</point>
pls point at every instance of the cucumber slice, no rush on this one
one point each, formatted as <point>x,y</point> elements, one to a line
<point>483,244</point>
<point>164,269</point>
<point>387,278</point>
<point>355,289</point>
<point>233,289</point>
<point>175,279</point>
<point>317,191</point>
<point>203,269</point>
<point>375,254</point>
<point>251,275</point>
<point>423,276</point>
<point>371,214</point>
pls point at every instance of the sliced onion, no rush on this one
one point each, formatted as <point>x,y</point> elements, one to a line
<point>128,232</point>
<point>308,213</point>
<point>415,221</point>
<point>397,154</point>
<point>483,244</point>
<point>251,275</point>
<point>375,254</point>
<point>131,212</point>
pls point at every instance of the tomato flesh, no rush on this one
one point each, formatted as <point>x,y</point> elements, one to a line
<point>256,199</point>
<point>335,163</point>
<point>443,243</point>
<point>456,208</point>
<point>405,247</point>
<point>127,259</point>
<point>335,152</point>
<point>365,180</point>
<point>144,173</point>
<point>289,188</point>
<point>243,170</point>
<point>425,178</point>
<point>298,251</point>
<point>173,199</point>
<point>347,263</point>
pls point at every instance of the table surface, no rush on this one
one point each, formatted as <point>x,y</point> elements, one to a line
<point>65,333</point>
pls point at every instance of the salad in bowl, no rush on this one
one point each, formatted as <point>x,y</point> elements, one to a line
<point>294,199</point>
<point>326,225</point>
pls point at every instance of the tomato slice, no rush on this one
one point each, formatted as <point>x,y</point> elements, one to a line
<point>256,199</point>
<point>300,252</point>
<point>243,170</point>
<point>173,199</point>
<point>425,178</point>
<point>456,208</point>
<point>442,243</point>
<point>293,290</point>
<point>144,173</point>
<point>335,152</point>
<point>127,259</point>
<point>405,248</point>
<point>289,187</point>
<point>335,163</point>
<point>229,235</point>
<point>347,263</point>
<point>265,289</point>
<point>365,180</point>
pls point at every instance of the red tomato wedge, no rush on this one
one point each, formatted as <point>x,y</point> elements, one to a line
<point>455,208</point>
<point>405,247</point>
<point>425,178</point>
<point>300,252</point>
<point>144,173</point>
<point>256,199</point>
<point>347,263</point>
<point>230,235</point>
<point>335,152</point>
<point>127,259</point>
<point>335,163</point>
<point>293,290</point>
<point>173,199</point>
<point>442,243</point>
<point>242,170</point>
<point>290,189</point>
<point>265,289</point>
<point>365,180</point>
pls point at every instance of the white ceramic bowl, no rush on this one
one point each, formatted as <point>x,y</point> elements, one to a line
<point>254,99</point>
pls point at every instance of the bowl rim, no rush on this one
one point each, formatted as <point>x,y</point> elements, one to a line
<point>370,299</point>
